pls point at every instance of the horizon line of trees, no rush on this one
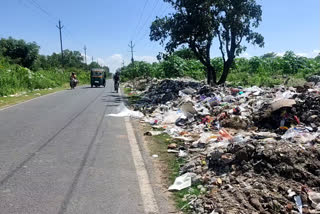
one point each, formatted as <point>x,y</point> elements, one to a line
<point>268,69</point>
<point>26,54</point>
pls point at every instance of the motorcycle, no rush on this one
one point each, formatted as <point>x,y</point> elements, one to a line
<point>73,83</point>
<point>116,86</point>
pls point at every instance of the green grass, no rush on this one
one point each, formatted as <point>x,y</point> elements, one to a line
<point>158,145</point>
<point>132,97</point>
<point>14,78</point>
<point>9,101</point>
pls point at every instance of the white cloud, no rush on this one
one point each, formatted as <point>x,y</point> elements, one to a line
<point>281,54</point>
<point>88,58</point>
<point>245,55</point>
<point>309,54</point>
<point>115,61</point>
<point>302,54</point>
<point>315,52</point>
<point>149,59</point>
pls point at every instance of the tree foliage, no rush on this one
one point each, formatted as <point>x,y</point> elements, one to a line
<point>266,70</point>
<point>198,22</point>
<point>22,68</point>
<point>19,51</point>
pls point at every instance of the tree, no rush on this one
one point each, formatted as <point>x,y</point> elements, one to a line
<point>270,55</point>
<point>198,22</point>
<point>72,59</point>
<point>184,53</point>
<point>94,65</point>
<point>20,52</point>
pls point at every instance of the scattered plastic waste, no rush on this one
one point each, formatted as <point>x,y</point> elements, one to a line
<point>298,201</point>
<point>153,133</point>
<point>182,154</point>
<point>314,197</point>
<point>239,142</point>
<point>125,112</point>
<point>181,182</point>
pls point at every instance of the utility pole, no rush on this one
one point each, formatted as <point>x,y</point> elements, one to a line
<point>131,46</point>
<point>60,27</point>
<point>85,54</point>
<point>91,59</point>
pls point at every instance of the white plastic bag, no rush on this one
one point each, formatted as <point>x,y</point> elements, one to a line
<point>181,182</point>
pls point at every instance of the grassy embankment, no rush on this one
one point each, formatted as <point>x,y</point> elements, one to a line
<point>170,163</point>
<point>18,84</point>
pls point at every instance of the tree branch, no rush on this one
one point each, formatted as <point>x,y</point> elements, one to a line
<point>221,47</point>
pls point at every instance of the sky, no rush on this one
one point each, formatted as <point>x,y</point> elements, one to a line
<point>106,27</point>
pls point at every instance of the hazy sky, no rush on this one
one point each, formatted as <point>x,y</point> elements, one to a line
<point>107,26</point>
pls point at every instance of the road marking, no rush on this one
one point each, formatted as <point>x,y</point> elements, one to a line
<point>1,109</point>
<point>149,201</point>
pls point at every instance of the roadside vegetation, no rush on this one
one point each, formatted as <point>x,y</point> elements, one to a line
<point>23,69</point>
<point>19,97</point>
<point>266,70</point>
<point>196,29</point>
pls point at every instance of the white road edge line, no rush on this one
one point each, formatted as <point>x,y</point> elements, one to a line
<point>1,109</point>
<point>149,202</point>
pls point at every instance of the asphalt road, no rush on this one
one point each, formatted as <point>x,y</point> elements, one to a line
<point>60,154</point>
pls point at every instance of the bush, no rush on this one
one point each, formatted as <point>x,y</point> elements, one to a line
<point>14,78</point>
<point>267,70</point>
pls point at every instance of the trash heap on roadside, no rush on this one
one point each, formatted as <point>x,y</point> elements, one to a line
<point>253,150</point>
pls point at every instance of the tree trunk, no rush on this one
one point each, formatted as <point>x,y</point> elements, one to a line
<point>226,68</point>
<point>211,75</point>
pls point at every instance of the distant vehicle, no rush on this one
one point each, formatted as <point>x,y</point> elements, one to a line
<point>98,77</point>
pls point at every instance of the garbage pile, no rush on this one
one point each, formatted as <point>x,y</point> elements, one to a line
<point>254,150</point>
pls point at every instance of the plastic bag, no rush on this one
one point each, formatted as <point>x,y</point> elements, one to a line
<point>125,112</point>
<point>181,182</point>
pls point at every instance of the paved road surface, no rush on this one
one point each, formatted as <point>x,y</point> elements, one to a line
<point>60,154</point>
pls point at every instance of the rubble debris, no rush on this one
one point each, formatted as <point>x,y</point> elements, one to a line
<point>254,150</point>
<point>314,78</point>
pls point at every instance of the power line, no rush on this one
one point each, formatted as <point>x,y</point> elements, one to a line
<point>42,9</point>
<point>52,18</point>
<point>165,9</point>
<point>150,15</point>
<point>35,9</point>
<point>141,14</point>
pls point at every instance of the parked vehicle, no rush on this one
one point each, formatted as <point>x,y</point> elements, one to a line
<point>98,77</point>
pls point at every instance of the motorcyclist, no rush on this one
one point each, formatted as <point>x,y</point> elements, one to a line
<point>116,79</point>
<point>73,80</point>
